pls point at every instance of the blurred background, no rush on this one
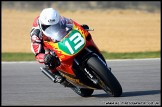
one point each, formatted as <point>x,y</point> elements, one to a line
<point>150,6</point>
<point>120,26</point>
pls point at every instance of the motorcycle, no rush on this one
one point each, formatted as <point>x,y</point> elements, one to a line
<point>81,62</point>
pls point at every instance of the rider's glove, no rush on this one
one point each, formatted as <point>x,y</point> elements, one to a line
<point>85,26</point>
<point>51,60</point>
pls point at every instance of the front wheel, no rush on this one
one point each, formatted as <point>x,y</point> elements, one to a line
<point>107,80</point>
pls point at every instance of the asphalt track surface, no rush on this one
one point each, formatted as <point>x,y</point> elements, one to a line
<point>24,84</point>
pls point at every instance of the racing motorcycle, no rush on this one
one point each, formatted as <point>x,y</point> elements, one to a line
<point>81,62</point>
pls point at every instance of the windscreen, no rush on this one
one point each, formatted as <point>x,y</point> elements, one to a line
<point>55,32</point>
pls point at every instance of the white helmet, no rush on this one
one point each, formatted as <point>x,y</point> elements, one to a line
<point>49,16</point>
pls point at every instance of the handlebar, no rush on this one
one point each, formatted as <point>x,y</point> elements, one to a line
<point>89,29</point>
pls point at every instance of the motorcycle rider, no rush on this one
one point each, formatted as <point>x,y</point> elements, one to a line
<point>48,17</point>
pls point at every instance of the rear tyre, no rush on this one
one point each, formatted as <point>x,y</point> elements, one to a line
<point>106,79</point>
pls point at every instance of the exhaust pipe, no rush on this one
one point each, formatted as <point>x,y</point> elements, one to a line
<point>48,73</point>
<point>51,76</point>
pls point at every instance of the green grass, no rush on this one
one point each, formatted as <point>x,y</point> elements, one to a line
<point>17,57</point>
<point>131,55</point>
<point>31,57</point>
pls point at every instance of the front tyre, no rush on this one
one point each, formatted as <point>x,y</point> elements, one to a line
<point>106,79</point>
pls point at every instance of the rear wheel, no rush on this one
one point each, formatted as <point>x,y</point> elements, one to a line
<point>84,92</point>
<point>106,79</point>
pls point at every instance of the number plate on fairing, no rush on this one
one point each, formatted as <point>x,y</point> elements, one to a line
<point>73,43</point>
